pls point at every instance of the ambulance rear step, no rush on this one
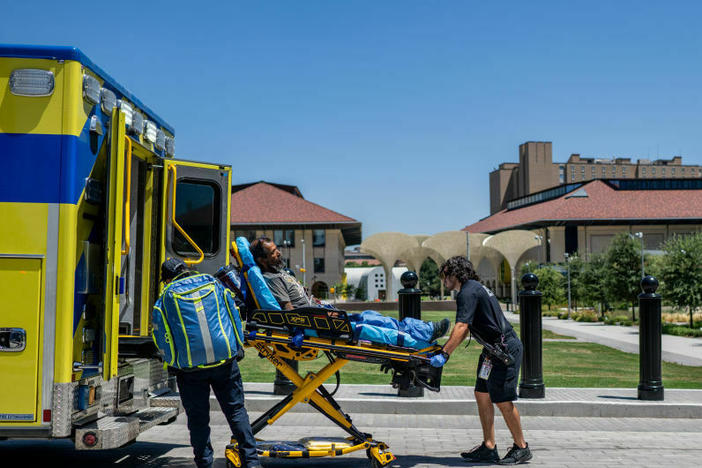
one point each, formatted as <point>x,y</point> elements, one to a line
<point>116,431</point>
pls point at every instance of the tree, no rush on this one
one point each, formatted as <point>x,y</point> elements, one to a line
<point>624,270</point>
<point>593,281</point>
<point>681,272</point>
<point>429,281</point>
<point>550,285</point>
<point>361,293</point>
<point>577,286</point>
<point>528,267</point>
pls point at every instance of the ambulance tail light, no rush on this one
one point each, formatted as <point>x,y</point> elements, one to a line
<point>91,89</point>
<point>128,112</point>
<point>160,143</point>
<point>32,82</point>
<point>150,131</point>
<point>47,415</point>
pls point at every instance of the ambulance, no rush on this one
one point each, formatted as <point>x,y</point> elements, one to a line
<point>92,202</point>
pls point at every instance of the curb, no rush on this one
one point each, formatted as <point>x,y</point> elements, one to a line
<point>526,407</point>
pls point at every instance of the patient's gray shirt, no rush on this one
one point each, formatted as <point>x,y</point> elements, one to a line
<point>286,288</point>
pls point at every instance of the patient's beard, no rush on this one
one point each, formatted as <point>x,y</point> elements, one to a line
<point>278,266</point>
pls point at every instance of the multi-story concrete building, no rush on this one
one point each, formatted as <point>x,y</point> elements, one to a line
<point>310,237</point>
<point>536,172</point>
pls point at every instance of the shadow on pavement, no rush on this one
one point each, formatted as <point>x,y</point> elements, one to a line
<point>60,453</point>
<point>405,461</point>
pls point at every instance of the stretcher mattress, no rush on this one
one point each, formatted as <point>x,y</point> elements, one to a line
<point>260,297</point>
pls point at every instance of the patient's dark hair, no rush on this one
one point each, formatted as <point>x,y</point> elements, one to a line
<point>257,249</point>
<point>460,267</point>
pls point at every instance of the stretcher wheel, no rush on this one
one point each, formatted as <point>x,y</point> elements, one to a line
<point>380,457</point>
<point>233,457</point>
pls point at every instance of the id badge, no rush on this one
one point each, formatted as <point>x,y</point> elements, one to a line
<point>485,369</point>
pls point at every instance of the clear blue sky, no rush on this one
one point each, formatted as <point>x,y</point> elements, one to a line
<point>394,112</point>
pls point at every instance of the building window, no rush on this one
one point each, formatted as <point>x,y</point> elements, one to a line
<point>561,174</point>
<point>604,172</point>
<point>318,265</point>
<point>643,171</point>
<point>197,212</point>
<point>653,171</point>
<point>572,176</point>
<point>672,171</point>
<point>663,171</point>
<point>624,171</point>
<point>582,169</point>
<point>682,171</point>
<point>284,238</point>
<point>614,171</point>
<point>319,238</point>
<point>249,235</point>
<point>593,171</point>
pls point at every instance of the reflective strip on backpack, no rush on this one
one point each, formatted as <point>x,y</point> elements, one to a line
<point>204,330</point>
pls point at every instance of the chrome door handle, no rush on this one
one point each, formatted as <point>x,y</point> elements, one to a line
<point>12,340</point>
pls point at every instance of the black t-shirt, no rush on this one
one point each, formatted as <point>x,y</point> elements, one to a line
<point>477,306</point>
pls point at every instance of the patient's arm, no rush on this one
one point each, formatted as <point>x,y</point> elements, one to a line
<point>286,305</point>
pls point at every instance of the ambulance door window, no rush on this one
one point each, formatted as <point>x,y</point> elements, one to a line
<point>197,212</point>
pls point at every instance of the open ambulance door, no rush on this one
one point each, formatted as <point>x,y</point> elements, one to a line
<point>195,216</point>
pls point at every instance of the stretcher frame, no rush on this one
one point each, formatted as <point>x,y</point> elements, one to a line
<point>270,333</point>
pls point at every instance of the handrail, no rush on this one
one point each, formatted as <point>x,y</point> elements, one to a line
<point>127,203</point>
<point>172,168</point>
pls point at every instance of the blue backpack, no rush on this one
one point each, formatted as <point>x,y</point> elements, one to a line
<point>196,323</point>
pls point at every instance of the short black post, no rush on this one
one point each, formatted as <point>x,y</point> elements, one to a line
<point>650,380</point>
<point>282,385</point>
<point>532,380</point>
<point>409,300</point>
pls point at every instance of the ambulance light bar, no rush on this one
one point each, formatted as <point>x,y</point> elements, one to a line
<point>137,127</point>
<point>31,82</point>
<point>127,111</point>
<point>170,146</point>
<point>160,143</point>
<point>91,89</point>
<point>150,131</point>
<point>108,101</point>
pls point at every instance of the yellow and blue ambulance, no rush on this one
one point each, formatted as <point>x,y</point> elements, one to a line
<point>91,203</point>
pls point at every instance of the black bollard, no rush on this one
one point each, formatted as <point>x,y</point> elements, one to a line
<point>409,301</point>
<point>282,385</point>
<point>532,380</point>
<point>650,380</point>
<point>409,298</point>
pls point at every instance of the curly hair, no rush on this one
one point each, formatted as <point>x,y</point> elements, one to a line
<point>459,267</point>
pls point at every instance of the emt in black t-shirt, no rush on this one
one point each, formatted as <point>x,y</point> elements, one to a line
<point>479,312</point>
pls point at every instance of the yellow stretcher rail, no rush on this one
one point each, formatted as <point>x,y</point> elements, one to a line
<point>172,169</point>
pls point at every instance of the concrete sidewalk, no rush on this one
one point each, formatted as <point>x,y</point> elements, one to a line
<point>453,400</point>
<point>677,349</point>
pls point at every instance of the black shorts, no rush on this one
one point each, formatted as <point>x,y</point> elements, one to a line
<point>503,380</point>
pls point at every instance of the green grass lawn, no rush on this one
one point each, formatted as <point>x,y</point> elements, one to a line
<point>575,364</point>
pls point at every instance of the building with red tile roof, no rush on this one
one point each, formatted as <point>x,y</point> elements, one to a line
<point>584,217</point>
<point>281,212</point>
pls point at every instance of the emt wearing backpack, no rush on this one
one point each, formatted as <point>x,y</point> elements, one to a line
<point>198,331</point>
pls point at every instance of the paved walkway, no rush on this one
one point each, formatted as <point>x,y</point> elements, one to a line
<point>678,349</point>
<point>417,442</point>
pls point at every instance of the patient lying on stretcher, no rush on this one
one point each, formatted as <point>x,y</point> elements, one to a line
<point>290,294</point>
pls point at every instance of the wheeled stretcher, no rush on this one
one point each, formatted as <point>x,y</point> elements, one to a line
<point>272,334</point>
<point>302,335</point>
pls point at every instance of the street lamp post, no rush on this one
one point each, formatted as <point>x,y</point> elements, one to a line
<point>640,236</point>
<point>567,258</point>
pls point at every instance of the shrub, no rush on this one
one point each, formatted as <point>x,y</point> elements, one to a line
<point>682,330</point>
<point>585,315</point>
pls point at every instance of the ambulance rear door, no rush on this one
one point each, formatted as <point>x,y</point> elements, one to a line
<point>195,216</point>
